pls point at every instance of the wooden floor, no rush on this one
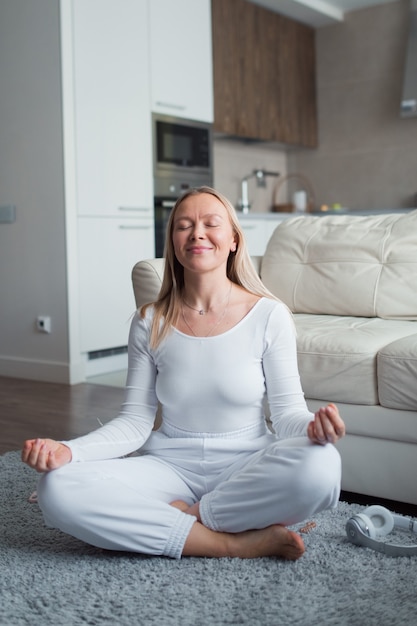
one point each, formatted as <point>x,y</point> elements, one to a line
<point>31,409</point>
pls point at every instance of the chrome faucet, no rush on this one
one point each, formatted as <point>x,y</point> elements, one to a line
<point>260,176</point>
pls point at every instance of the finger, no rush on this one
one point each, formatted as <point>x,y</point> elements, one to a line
<point>311,432</point>
<point>26,450</point>
<point>318,426</point>
<point>38,456</point>
<point>335,419</point>
<point>42,464</point>
<point>33,452</point>
<point>51,461</point>
<point>330,430</point>
<point>324,427</point>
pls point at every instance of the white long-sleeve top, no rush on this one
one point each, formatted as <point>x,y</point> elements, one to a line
<point>207,384</point>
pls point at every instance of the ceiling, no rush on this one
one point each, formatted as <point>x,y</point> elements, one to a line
<point>317,13</point>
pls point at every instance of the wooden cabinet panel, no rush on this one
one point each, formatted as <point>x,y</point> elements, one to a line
<point>264,74</point>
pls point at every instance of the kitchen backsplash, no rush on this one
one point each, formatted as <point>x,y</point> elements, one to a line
<point>233,160</point>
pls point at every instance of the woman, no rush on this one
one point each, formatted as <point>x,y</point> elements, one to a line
<point>213,480</point>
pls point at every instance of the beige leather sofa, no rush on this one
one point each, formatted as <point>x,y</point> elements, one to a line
<point>351,282</point>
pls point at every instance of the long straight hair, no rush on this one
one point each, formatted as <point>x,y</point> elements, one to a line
<point>240,270</point>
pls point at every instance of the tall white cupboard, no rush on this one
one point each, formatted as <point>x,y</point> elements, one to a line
<point>121,61</point>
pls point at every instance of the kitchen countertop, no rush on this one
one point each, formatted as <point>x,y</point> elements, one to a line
<point>278,215</point>
<point>265,216</point>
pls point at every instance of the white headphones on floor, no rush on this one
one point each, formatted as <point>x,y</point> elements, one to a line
<point>363,529</point>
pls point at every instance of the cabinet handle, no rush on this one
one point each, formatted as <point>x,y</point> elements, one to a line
<point>134,208</point>
<point>138,227</point>
<point>171,105</point>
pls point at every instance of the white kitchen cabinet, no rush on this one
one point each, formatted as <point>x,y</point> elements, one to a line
<point>113,163</point>
<point>270,225</point>
<point>112,107</point>
<point>181,58</point>
<point>258,230</point>
<point>108,248</point>
<point>254,231</point>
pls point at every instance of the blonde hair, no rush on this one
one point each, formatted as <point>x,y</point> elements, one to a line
<point>240,270</point>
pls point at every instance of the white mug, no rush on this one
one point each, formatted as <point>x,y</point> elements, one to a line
<point>300,201</point>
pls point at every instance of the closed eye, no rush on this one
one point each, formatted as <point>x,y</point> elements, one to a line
<point>183,225</point>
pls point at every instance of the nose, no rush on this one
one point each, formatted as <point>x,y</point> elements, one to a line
<point>197,232</point>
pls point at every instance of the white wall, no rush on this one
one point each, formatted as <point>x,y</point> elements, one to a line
<point>32,250</point>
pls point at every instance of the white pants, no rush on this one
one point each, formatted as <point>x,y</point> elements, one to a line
<point>242,480</point>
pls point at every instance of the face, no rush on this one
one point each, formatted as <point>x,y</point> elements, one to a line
<point>202,234</point>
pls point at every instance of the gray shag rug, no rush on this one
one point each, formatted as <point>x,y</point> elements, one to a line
<point>47,577</point>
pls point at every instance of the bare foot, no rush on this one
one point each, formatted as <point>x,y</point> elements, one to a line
<point>274,540</point>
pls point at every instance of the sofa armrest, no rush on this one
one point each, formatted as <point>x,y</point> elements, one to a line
<point>257,263</point>
<point>147,280</point>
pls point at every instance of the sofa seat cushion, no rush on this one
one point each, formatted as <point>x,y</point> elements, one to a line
<point>397,374</point>
<point>345,265</point>
<point>337,356</point>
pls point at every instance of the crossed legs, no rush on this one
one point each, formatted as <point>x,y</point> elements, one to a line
<point>145,505</point>
<point>288,481</point>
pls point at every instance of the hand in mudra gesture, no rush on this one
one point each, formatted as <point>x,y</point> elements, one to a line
<point>327,426</point>
<point>45,455</point>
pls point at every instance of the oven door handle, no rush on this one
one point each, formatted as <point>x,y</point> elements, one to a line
<point>168,204</point>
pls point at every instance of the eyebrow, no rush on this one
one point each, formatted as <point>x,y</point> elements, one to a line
<point>189,219</point>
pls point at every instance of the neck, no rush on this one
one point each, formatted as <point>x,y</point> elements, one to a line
<point>205,299</point>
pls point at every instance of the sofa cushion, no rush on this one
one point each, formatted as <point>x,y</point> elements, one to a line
<point>345,265</point>
<point>397,374</point>
<point>337,356</point>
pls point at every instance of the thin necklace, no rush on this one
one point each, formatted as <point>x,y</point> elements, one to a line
<point>218,321</point>
<point>202,311</point>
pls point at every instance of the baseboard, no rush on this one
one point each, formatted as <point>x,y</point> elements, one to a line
<point>402,508</point>
<point>105,365</point>
<point>45,371</point>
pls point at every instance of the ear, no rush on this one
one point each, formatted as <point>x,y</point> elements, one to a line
<point>233,246</point>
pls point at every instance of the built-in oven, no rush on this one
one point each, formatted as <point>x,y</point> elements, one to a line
<point>182,158</point>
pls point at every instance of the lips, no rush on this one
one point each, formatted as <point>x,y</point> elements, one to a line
<point>198,249</point>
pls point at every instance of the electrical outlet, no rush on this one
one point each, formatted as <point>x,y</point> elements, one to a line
<point>43,324</point>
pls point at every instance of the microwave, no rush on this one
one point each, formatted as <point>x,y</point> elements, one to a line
<point>182,148</point>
